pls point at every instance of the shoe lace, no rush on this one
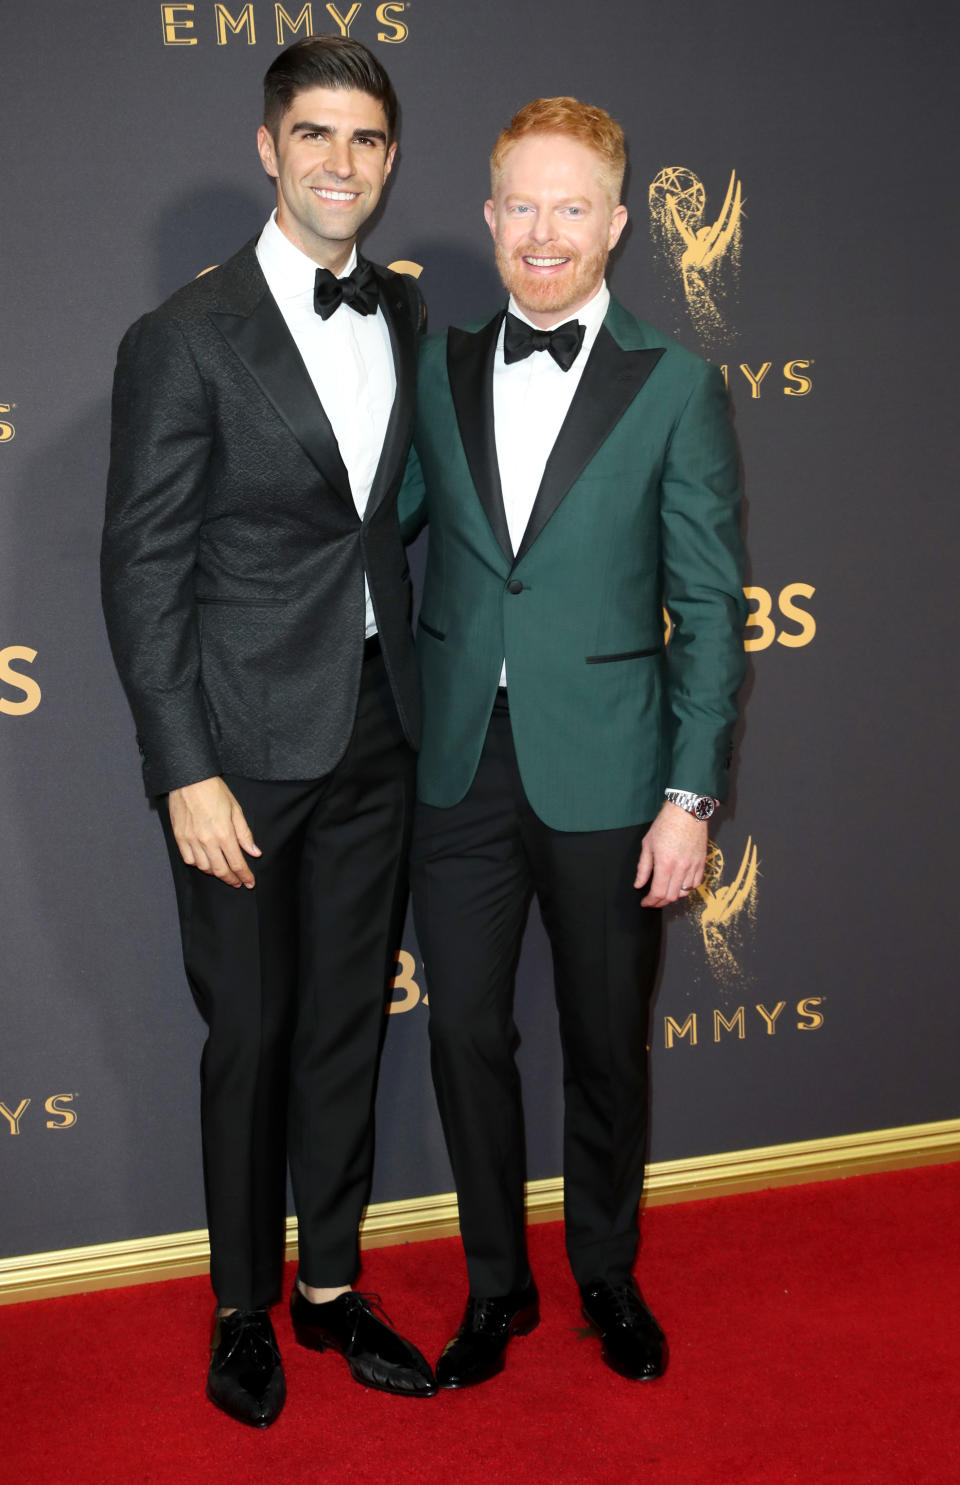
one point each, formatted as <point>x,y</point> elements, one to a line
<point>627,1305</point>
<point>251,1330</point>
<point>358,1303</point>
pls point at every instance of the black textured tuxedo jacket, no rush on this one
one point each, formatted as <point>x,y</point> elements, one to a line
<point>233,555</point>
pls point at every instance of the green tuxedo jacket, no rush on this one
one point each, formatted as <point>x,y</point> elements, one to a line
<point>638,510</point>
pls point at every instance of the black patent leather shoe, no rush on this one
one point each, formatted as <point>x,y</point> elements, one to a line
<point>376,1355</point>
<point>632,1342</point>
<point>476,1352</point>
<point>246,1375</point>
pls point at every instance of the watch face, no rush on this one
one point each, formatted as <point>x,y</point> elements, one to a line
<point>703,808</point>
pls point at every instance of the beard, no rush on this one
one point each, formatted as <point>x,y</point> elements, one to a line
<point>571,287</point>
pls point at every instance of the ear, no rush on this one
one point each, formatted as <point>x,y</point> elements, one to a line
<point>388,162</point>
<point>618,220</point>
<point>490,217</point>
<point>267,151</point>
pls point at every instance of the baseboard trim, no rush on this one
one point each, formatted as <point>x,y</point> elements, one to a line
<point>175,1255</point>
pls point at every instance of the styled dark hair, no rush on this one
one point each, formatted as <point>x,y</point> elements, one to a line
<point>325,62</point>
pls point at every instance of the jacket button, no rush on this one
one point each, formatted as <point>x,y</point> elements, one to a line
<point>514,586</point>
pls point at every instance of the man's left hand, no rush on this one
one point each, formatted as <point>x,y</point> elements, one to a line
<point>672,856</point>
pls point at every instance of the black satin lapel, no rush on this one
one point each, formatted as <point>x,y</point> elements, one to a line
<point>611,380</point>
<point>268,351</point>
<point>403,338</point>
<point>470,369</point>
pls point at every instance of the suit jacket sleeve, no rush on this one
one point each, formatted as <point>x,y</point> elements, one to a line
<point>702,588</point>
<point>412,500</point>
<point>162,434</point>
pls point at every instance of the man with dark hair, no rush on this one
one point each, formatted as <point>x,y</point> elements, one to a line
<point>257,600</point>
<point>336,63</point>
<point>579,473</point>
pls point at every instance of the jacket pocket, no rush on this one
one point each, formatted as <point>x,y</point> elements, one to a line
<point>429,629</point>
<point>623,655</point>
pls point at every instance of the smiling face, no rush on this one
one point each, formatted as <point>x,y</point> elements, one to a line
<point>330,160</point>
<point>553,225</point>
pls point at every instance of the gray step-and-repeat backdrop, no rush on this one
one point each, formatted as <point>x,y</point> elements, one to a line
<point>791,173</point>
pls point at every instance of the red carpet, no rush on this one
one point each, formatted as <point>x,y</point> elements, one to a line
<point>815,1337</point>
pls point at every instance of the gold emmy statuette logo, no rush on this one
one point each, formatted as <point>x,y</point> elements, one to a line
<point>718,908</point>
<point>704,255</point>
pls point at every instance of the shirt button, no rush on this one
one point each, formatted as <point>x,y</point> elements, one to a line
<point>514,586</point>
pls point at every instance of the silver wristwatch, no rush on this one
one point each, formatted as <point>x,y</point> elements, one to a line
<point>701,806</point>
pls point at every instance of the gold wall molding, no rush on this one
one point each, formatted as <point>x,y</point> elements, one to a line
<point>176,1255</point>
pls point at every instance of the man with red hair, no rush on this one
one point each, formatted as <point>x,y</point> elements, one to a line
<point>579,473</point>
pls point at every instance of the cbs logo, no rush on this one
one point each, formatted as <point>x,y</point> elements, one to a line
<point>800,628</point>
<point>404,980</point>
<point>801,625</point>
<point>28,691</point>
<point>25,685</point>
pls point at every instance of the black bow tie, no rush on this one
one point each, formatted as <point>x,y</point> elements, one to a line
<point>563,342</point>
<point>359,289</point>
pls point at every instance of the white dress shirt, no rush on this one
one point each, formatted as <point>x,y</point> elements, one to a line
<point>349,358</point>
<point>531,399</point>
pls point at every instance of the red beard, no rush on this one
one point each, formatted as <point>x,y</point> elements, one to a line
<point>570,287</point>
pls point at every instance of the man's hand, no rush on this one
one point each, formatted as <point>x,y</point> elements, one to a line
<point>672,856</point>
<point>211,832</point>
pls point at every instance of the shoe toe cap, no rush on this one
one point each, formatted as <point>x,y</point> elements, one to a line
<point>640,1358</point>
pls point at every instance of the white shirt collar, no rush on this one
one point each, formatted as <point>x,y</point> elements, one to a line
<point>591,315</point>
<point>285,266</point>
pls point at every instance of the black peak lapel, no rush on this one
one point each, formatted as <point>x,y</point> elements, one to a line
<point>402,322</point>
<point>611,380</point>
<point>267,349</point>
<point>470,370</point>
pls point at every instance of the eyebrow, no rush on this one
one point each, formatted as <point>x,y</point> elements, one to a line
<point>306,127</point>
<point>563,201</point>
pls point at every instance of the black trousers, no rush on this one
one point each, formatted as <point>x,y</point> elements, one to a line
<point>475,867</point>
<point>292,979</point>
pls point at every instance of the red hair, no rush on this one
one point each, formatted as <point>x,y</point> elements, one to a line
<point>574,120</point>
